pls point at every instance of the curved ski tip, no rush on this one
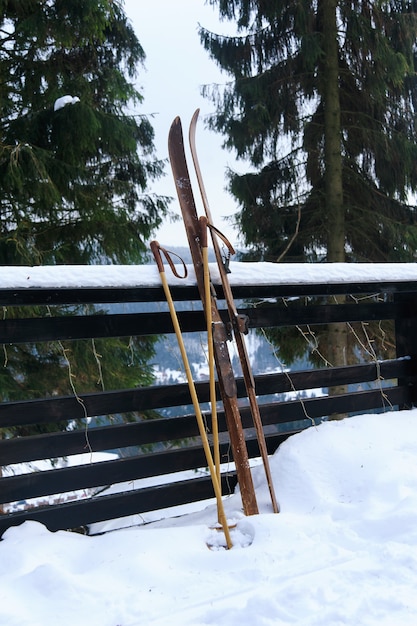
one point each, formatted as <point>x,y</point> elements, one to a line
<point>175,128</point>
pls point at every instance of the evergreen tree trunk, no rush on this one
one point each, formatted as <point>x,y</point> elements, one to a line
<point>332,137</point>
<point>335,215</point>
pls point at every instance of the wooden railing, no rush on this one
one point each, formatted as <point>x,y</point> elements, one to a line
<point>146,439</point>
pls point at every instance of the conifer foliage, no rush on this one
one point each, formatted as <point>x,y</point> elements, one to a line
<point>322,104</point>
<point>75,162</point>
<point>75,159</point>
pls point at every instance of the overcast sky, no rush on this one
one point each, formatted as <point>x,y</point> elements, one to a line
<point>176,68</point>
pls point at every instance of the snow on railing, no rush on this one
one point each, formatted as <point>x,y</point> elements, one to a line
<point>262,273</point>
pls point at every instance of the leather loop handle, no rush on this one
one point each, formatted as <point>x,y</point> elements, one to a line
<point>158,251</point>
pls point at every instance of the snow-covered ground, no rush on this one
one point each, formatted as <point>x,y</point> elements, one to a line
<point>343,550</point>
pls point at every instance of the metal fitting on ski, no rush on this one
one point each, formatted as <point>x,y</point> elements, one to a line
<point>220,332</point>
<point>243,323</point>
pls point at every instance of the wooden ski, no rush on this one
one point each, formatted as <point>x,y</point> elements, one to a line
<point>238,323</point>
<point>225,374</point>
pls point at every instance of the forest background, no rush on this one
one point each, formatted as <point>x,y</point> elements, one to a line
<point>318,99</point>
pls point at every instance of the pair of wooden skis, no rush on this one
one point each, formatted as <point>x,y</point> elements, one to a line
<point>196,230</point>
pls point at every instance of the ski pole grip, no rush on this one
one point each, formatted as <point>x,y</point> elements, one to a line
<point>156,251</point>
<point>203,231</point>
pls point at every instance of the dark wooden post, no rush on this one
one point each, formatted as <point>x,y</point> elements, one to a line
<point>406,340</point>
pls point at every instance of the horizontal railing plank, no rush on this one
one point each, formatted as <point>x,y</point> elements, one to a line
<point>106,507</point>
<point>159,323</point>
<point>98,439</point>
<point>142,399</point>
<point>98,295</point>
<point>68,479</point>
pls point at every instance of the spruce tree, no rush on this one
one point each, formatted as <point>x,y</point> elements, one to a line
<point>322,105</point>
<point>73,176</point>
<point>75,162</point>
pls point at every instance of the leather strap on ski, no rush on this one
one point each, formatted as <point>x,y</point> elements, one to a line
<point>230,248</point>
<point>241,321</point>
<point>222,236</point>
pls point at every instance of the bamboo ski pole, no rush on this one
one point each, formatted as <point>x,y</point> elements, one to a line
<point>156,250</point>
<point>209,321</point>
<point>241,346</point>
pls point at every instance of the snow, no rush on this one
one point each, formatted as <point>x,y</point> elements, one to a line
<point>343,550</point>
<point>61,102</point>
<point>75,276</point>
